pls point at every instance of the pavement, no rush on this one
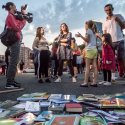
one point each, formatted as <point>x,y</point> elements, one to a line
<point>30,85</point>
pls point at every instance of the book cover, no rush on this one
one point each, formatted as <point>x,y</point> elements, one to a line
<point>87,97</point>
<point>91,120</point>
<point>73,107</point>
<point>69,97</point>
<point>32,106</point>
<point>56,107</point>
<point>44,116</point>
<point>7,122</point>
<point>65,120</point>
<point>11,113</point>
<point>55,96</point>
<point>8,104</point>
<point>34,97</point>
<point>113,103</point>
<point>45,103</point>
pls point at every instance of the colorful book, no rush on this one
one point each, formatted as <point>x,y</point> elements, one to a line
<point>34,97</point>
<point>113,103</point>
<point>56,107</point>
<point>74,107</point>
<point>90,99</point>
<point>7,122</point>
<point>55,97</point>
<point>32,106</point>
<point>45,103</point>
<point>64,120</point>
<point>8,104</point>
<point>12,113</point>
<point>91,120</point>
<point>44,116</point>
<point>69,97</point>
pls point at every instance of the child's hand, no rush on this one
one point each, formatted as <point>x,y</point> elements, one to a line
<point>78,34</point>
<point>108,62</point>
<point>97,34</point>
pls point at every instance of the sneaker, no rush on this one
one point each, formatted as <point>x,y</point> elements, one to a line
<point>48,81</point>
<point>58,80</point>
<point>102,82</point>
<point>120,78</point>
<point>40,81</point>
<point>84,85</point>
<point>107,83</point>
<point>73,79</point>
<point>12,86</point>
<point>17,83</point>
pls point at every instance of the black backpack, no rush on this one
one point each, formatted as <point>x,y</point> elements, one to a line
<point>8,36</point>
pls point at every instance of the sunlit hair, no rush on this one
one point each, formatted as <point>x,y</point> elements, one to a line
<point>92,26</point>
<point>67,29</point>
<point>108,38</point>
<point>38,32</point>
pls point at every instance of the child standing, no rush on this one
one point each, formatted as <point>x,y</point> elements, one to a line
<point>108,59</point>
<point>90,52</point>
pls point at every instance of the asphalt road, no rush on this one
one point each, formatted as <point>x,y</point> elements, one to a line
<point>29,82</point>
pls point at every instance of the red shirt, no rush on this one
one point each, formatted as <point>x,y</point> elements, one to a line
<point>108,55</point>
<point>17,25</point>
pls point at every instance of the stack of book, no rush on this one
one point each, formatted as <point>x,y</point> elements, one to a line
<point>63,106</point>
<point>74,107</point>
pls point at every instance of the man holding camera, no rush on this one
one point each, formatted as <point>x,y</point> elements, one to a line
<point>114,25</point>
<point>17,25</point>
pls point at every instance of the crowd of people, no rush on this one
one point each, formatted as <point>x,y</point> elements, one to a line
<point>64,48</point>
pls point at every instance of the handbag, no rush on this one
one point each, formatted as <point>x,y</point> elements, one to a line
<point>8,36</point>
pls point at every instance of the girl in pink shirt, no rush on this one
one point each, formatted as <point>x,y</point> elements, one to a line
<point>108,59</point>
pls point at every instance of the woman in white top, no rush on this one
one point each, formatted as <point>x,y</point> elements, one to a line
<point>90,52</point>
<point>41,44</point>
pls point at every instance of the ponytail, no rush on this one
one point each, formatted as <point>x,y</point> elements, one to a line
<point>3,6</point>
<point>7,6</point>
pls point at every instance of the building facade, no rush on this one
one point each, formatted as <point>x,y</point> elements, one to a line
<point>25,53</point>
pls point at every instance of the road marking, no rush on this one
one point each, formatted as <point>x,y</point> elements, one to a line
<point>11,90</point>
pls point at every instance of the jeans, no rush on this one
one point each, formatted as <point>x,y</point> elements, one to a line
<point>14,59</point>
<point>119,47</point>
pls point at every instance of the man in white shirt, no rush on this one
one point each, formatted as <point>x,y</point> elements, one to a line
<point>114,25</point>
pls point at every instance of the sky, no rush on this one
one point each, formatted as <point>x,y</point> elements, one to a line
<point>51,13</point>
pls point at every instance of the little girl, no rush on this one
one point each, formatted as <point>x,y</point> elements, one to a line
<point>90,52</point>
<point>108,59</point>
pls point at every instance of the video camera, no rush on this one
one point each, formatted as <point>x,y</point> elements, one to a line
<point>20,16</point>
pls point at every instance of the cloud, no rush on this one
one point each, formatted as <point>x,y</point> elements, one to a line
<point>56,12</point>
<point>52,13</point>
